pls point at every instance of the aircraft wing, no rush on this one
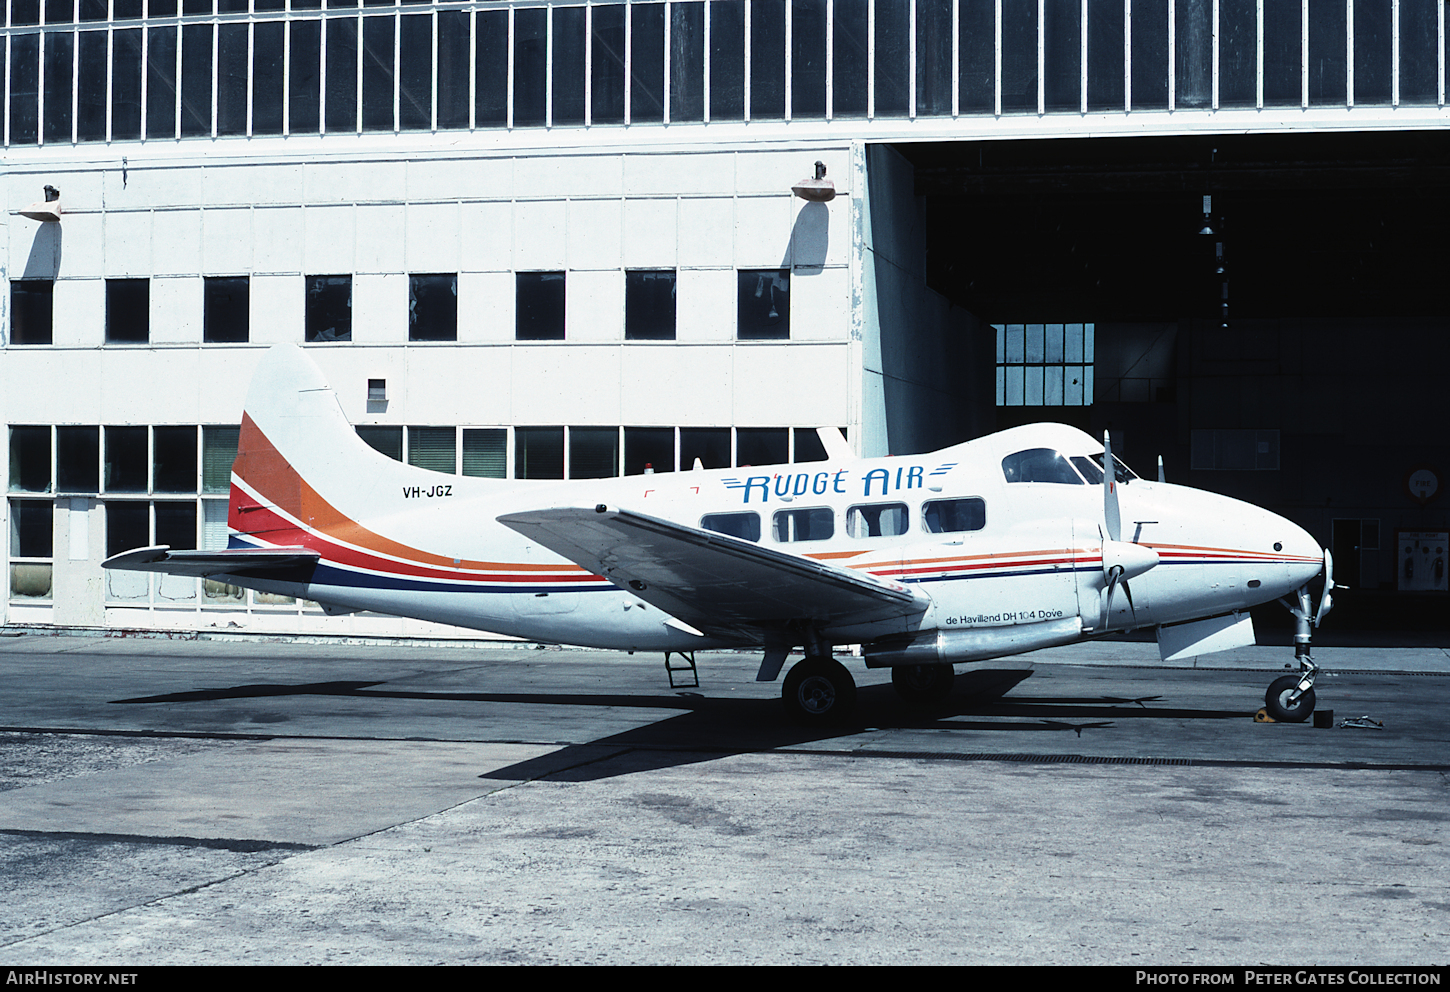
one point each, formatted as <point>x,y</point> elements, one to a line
<point>204,563</point>
<point>719,584</point>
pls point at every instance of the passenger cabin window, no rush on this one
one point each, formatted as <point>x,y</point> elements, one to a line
<point>1039,465</point>
<point>745,526</point>
<point>877,520</point>
<point>817,524</point>
<point>952,516</point>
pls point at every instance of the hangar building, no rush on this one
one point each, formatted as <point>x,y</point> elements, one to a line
<point>560,240</point>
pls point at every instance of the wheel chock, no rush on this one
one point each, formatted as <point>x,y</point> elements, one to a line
<point>1263,716</point>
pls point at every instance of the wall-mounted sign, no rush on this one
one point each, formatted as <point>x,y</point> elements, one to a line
<point>1423,484</point>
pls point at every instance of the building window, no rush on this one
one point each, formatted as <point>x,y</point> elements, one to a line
<point>539,306</point>
<point>31,530</point>
<point>433,308</point>
<point>485,452</point>
<point>433,448</point>
<point>763,305</point>
<point>1235,451</point>
<point>538,452</point>
<point>128,311</point>
<point>31,308</point>
<point>593,452</point>
<point>386,440</point>
<point>30,459</point>
<point>329,308</point>
<point>78,460</point>
<point>1045,365</point>
<point>650,449</point>
<point>649,305</point>
<point>227,310</point>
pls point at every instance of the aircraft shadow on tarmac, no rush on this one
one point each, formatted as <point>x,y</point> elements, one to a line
<point>713,727</point>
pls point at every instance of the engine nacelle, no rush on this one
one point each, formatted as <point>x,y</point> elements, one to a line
<point>941,647</point>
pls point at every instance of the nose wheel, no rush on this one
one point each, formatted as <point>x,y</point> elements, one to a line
<point>1291,699</point>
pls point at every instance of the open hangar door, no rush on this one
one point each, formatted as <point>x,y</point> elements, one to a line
<point>1269,313</point>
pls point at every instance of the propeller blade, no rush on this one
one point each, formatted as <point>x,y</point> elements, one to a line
<point>1161,477</point>
<point>1114,574</point>
<point>1326,598</point>
<point>1111,516</point>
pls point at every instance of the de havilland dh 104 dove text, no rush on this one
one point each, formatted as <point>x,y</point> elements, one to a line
<point>1030,538</point>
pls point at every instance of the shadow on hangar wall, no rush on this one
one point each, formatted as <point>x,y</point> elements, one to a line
<point>1334,342</point>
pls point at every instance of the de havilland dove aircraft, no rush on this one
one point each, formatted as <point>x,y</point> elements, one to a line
<point>1012,542</point>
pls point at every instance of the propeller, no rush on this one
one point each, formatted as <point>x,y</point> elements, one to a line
<point>1326,598</point>
<point>1122,560</point>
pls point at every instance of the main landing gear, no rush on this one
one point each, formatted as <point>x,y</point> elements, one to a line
<point>819,691</point>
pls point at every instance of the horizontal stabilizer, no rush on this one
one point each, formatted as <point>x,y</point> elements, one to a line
<point>204,563</point>
<point>716,583</point>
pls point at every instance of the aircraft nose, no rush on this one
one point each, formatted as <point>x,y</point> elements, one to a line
<point>1302,554</point>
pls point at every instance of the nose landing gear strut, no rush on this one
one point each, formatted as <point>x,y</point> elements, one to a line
<point>1291,699</point>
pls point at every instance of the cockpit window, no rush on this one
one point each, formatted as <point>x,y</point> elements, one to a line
<point>1091,470</point>
<point>1124,473</point>
<point>1039,465</point>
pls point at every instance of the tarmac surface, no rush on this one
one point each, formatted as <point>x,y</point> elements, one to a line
<point>249,802</point>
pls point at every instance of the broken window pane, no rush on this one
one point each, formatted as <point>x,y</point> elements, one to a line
<point>763,304</point>
<point>433,308</point>
<point>329,308</point>
<point>31,528</point>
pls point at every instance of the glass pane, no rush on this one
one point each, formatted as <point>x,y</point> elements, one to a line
<point>711,445</point>
<point>531,34</point>
<point>761,446</point>
<point>196,43</point>
<point>267,76</point>
<point>538,452</point>
<point>877,520</point>
<point>91,86</point>
<point>30,459</point>
<point>1419,31</point>
<point>492,61</point>
<point>453,45</point>
<point>377,74</point>
<point>851,58</point>
<point>946,516</point>
<point>128,526</point>
<point>218,451</point>
<point>763,304</point>
<point>1193,38</point>
<point>647,63</point>
<point>1374,51</point>
<point>161,82</point>
<point>569,48</point>
<point>59,50</point>
<point>687,61</point>
<point>387,440</point>
<point>341,75</point>
<point>1327,43</point>
<point>78,459</point>
<point>1019,56</point>
<point>539,306</point>
<point>767,59</point>
<point>126,85</point>
<point>176,527</point>
<point>433,448</point>
<point>893,51</point>
<point>415,72</point>
<point>24,88</point>
<point>1283,58</point>
<point>808,58</point>
<point>649,306</point>
<point>485,452</point>
<point>329,308</point>
<point>32,304</point>
<point>174,469</point>
<point>745,526</point>
<point>214,533</point>
<point>607,70</point>
<point>433,308</point>
<point>808,447</point>
<point>1238,53</point>
<point>31,580</point>
<point>1105,56</point>
<point>816,524</point>
<point>31,528</point>
<point>649,449</point>
<point>593,452</point>
<point>1150,54</point>
<point>1062,55</point>
<point>126,460</point>
<point>727,60</point>
<point>231,82</point>
<point>227,303</point>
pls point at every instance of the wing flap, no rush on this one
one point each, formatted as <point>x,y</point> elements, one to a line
<point>232,561</point>
<point>717,583</point>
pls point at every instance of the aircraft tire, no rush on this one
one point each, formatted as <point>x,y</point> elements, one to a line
<point>819,691</point>
<point>1276,701</point>
<point>923,685</point>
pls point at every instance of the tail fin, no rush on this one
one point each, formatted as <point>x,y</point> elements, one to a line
<point>295,444</point>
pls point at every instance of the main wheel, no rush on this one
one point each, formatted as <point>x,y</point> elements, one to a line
<point>923,685</point>
<point>1276,701</point>
<point>819,691</point>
